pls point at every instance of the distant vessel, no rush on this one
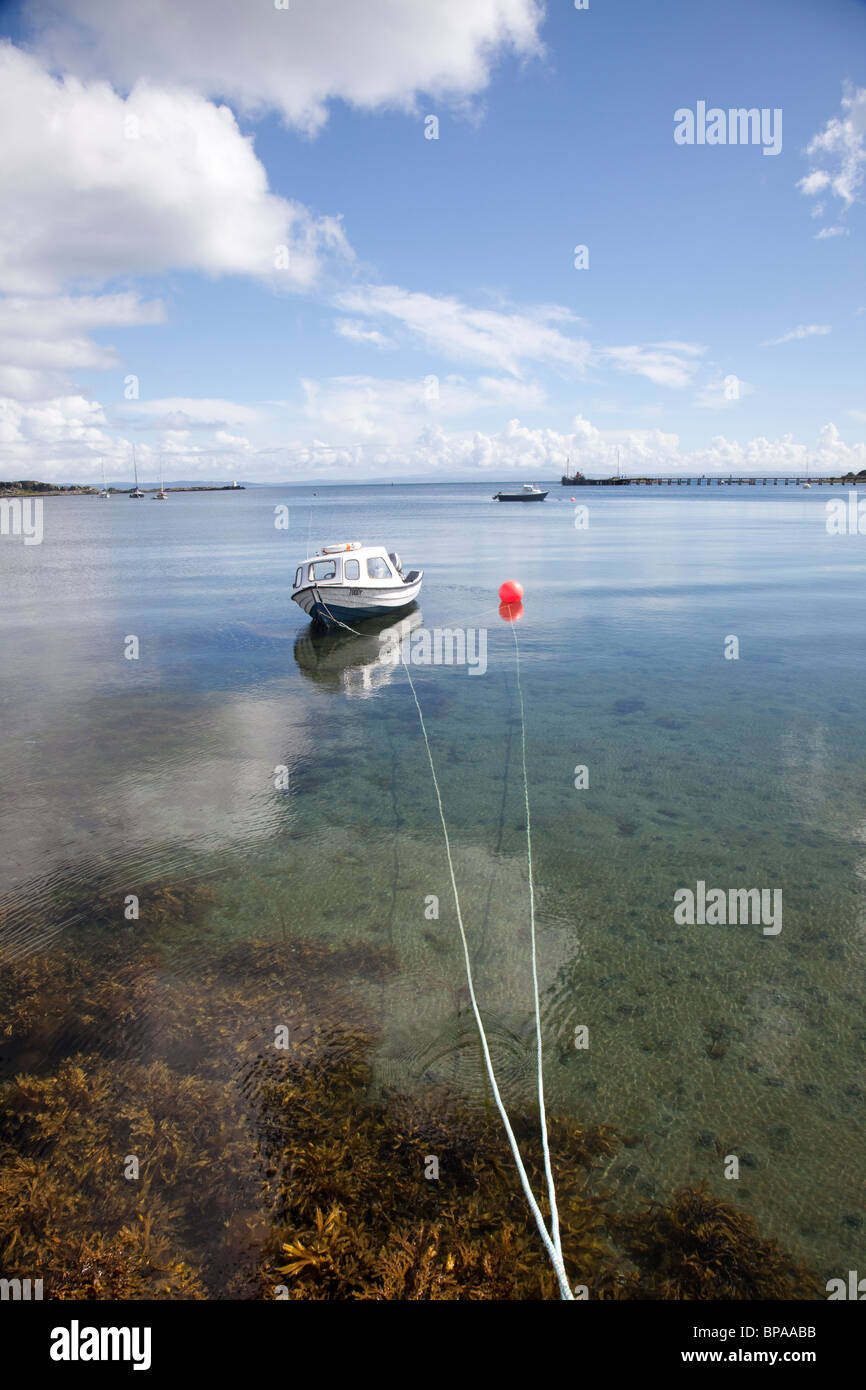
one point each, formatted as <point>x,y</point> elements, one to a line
<point>136,491</point>
<point>578,480</point>
<point>162,495</point>
<point>528,493</point>
<point>346,583</point>
<point>104,494</point>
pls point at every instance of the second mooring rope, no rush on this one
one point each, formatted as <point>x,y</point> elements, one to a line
<point>551,1189</point>
<point>552,1245</point>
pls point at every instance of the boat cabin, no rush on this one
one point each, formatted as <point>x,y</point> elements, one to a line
<point>352,564</point>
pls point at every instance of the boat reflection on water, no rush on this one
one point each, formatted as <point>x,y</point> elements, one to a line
<point>352,662</point>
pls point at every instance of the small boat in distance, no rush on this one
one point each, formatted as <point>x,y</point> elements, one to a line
<point>343,584</point>
<point>162,495</point>
<point>104,494</point>
<point>528,493</point>
<point>136,491</point>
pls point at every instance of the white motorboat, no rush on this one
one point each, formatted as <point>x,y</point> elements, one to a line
<point>343,584</point>
<point>528,493</point>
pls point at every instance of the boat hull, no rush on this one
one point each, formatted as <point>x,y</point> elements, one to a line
<point>594,482</point>
<point>333,604</point>
<point>520,497</point>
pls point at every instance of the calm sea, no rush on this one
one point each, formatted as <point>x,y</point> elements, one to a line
<point>704,1040</point>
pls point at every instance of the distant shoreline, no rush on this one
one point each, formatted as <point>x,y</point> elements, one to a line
<point>87,490</point>
<point>39,489</point>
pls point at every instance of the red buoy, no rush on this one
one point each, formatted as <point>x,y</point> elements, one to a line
<point>511,591</point>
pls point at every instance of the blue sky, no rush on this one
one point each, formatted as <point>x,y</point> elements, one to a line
<point>430,321</point>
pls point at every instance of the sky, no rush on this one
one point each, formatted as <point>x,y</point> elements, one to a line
<point>282,240</point>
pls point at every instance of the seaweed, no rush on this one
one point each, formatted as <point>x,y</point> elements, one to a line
<point>281,1170</point>
<point>699,1247</point>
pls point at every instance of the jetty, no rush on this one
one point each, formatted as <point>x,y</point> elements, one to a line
<point>849,480</point>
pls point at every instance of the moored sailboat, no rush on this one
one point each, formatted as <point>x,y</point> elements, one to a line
<point>136,491</point>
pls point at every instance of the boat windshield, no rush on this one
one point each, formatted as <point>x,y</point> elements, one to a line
<point>377,568</point>
<point>323,569</point>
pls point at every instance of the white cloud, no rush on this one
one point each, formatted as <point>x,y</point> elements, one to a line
<point>235,443</point>
<point>814,183</point>
<point>544,453</point>
<point>64,439</point>
<point>502,340</point>
<point>43,341</point>
<point>65,420</point>
<point>666,364</point>
<point>182,413</point>
<point>164,179</point>
<point>361,409</point>
<point>357,333</point>
<point>381,53</point>
<point>840,151</point>
<point>826,232</point>
<point>723,393</point>
<point>803,330</point>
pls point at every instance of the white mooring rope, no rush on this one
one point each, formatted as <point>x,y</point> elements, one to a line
<point>552,1245</point>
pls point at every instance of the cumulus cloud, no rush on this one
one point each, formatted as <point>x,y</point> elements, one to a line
<point>163,179</point>
<point>803,330</point>
<point>389,431</point>
<point>65,420</point>
<point>378,54</point>
<point>544,453</point>
<point>501,339</point>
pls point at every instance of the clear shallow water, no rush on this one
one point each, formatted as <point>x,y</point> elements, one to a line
<point>117,774</point>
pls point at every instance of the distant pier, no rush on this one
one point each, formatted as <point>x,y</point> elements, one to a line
<point>805,481</point>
